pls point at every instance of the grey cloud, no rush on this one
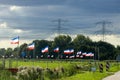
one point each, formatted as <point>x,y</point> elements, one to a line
<point>36,19</point>
<point>98,6</point>
<point>31,2</point>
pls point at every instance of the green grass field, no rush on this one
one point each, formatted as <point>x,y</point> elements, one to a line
<point>84,74</point>
<point>87,76</point>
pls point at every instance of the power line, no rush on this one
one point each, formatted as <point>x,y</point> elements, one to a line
<point>59,26</point>
<point>103,31</point>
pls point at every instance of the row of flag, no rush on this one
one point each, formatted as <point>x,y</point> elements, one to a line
<point>46,49</point>
<point>32,45</point>
<point>53,56</point>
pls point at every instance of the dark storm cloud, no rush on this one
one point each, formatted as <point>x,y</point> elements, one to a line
<point>36,16</point>
<point>31,2</point>
<point>101,6</point>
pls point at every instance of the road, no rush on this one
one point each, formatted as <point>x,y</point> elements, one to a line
<point>116,76</point>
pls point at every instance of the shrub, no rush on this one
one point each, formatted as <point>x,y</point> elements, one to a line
<point>37,73</point>
<point>29,73</point>
<point>6,75</point>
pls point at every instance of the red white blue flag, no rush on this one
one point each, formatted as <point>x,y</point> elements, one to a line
<point>84,54</point>
<point>15,40</point>
<point>90,54</point>
<point>79,53</point>
<point>69,51</point>
<point>56,49</point>
<point>45,50</point>
<point>31,46</point>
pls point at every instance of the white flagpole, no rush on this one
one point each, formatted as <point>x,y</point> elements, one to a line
<point>58,58</point>
<point>33,54</point>
<point>18,51</point>
<point>47,57</point>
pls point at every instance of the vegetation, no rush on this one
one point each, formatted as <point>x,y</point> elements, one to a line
<point>102,50</point>
<point>66,70</point>
<point>6,75</point>
<point>57,67</point>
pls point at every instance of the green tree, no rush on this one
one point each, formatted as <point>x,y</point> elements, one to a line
<point>63,42</point>
<point>106,50</point>
<point>82,43</point>
<point>23,48</point>
<point>85,44</point>
<point>8,52</point>
<point>39,44</point>
<point>82,40</point>
<point>2,52</point>
<point>118,50</point>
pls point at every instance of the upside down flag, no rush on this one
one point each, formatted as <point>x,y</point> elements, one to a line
<point>56,49</point>
<point>31,46</point>
<point>90,54</point>
<point>79,53</point>
<point>45,50</point>
<point>69,51</point>
<point>84,54</point>
<point>15,40</point>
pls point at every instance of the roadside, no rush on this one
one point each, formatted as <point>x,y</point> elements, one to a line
<point>115,76</point>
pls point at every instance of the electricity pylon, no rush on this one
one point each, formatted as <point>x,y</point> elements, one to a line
<point>59,27</point>
<point>103,30</point>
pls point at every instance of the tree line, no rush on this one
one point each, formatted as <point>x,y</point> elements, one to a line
<point>102,50</point>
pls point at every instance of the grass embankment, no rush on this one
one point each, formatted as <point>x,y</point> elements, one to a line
<point>114,67</point>
<point>87,76</point>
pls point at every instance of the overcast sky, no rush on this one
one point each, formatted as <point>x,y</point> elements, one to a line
<point>37,19</point>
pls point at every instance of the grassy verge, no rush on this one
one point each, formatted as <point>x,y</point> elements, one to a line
<point>95,75</point>
<point>87,76</point>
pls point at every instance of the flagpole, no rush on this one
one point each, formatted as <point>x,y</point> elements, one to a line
<point>18,51</point>
<point>46,52</point>
<point>58,59</point>
<point>47,57</point>
<point>56,50</point>
<point>33,54</point>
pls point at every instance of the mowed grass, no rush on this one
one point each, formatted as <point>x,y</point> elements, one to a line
<point>87,76</point>
<point>92,75</point>
<point>114,67</point>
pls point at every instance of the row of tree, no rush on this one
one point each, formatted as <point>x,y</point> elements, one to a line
<point>102,50</point>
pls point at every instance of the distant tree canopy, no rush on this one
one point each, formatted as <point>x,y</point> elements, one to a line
<point>102,50</point>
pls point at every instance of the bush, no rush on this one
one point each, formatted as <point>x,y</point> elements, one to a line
<point>37,73</point>
<point>6,75</point>
<point>30,73</point>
